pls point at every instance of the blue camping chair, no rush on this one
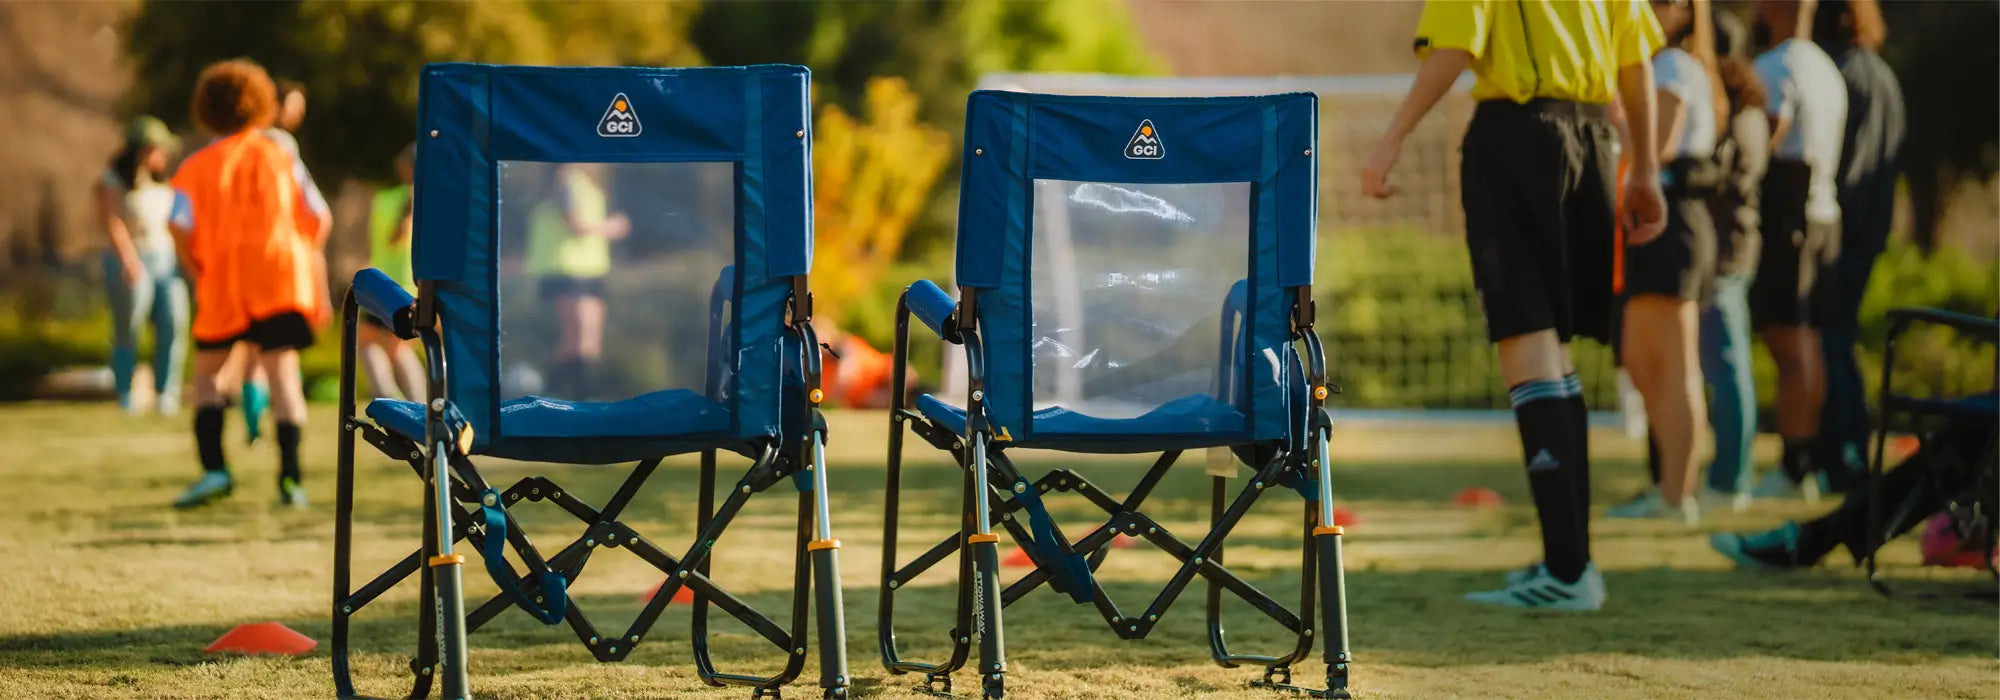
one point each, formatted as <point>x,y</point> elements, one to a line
<point>1134,276</point>
<point>670,206</point>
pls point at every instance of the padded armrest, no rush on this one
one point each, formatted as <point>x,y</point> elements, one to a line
<point>386,300</point>
<point>933,306</point>
<point>1963,322</point>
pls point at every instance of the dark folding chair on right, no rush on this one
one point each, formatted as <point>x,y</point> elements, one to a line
<point>1134,276</point>
<point>1974,511</point>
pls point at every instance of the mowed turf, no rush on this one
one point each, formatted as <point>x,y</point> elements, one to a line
<point>106,592</point>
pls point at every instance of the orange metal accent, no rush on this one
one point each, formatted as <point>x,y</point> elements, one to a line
<point>817,545</point>
<point>447,560</point>
<point>1327,530</point>
<point>1319,392</point>
<point>977,538</point>
<point>816,396</point>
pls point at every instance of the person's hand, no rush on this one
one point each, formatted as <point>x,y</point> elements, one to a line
<point>1645,209</point>
<point>617,226</point>
<point>132,269</point>
<point>1375,172</point>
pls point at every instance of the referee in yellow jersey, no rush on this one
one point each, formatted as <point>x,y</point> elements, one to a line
<point>1538,172</point>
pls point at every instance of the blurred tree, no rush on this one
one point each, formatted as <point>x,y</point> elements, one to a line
<point>871,180</point>
<point>360,59</point>
<point>1947,58</point>
<point>940,48</point>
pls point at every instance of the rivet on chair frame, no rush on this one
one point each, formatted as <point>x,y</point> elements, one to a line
<point>437,404</point>
<point>979,151</point>
<point>1020,487</point>
<point>895,584</point>
<point>799,134</point>
<point>434,133</point>
<point>1309,151</point>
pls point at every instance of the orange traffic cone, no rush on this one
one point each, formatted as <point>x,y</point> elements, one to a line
<point>1124,542</point>
<point>1018,557</point>
<point>1344,517</point>
<point>684,595</point>
<point>1477,497</point>
<point>262,638</point>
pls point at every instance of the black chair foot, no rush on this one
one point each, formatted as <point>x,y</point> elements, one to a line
<point>936,685</point>
<point>1279,678</point>
<point>993,687</point>
<point>773,692</point>
<point>835,694</point>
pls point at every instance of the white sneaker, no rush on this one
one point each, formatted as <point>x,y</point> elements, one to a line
<point>1715,501</point>
<point>1539,590</point>
<point>1650,505</point>
<point>1776,484</point>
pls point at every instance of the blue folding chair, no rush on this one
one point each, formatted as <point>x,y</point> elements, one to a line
<point>1134,276</point>
<point>612,264</point>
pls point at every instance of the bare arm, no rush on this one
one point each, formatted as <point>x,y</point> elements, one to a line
<point>114,229</point>
<point>1672,122</point>
<point>1439,70</point>
<point>1645,206</point>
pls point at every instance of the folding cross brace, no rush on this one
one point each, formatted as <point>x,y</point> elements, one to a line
<point>435,654</point>
<point>979,607</point>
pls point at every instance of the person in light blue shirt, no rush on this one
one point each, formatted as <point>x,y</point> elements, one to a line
<point>1807,102</point>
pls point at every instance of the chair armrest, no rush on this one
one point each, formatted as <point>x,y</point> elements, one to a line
<point>931,305</point>
<point>386,300</point>
<point>1986,326</point>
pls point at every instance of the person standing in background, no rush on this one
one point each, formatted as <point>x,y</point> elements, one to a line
<point>1807,100</point>
<point>141,272</point>
<point>1667,277</point>
<point>1743,154</point>
<point>255,394</point>
<point>1537,180</point>
<point>1852,32</point>
<point>389,362</point>
<point>250,242</point>
<point>570,234</point>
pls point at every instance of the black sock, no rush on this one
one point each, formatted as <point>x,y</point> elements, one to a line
<point>1653,456</point>
<point>1548,448</point>
<point>1797,458</point>
<point>288,451</point>
<point>208,438</point>
<point>1580,425</point>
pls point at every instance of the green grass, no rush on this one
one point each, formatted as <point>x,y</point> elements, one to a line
<point>108,593</point>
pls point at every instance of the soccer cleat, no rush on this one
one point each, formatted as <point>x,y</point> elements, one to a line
<point>1771,550</point>
<point>1650,505</point>
<point>1777,485</point>
<point>212,487</point>
<point>1536,589</point>
<point>1715,501</point>
<point>291,493</point>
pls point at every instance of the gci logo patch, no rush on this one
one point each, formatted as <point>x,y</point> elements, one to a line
<point>620,120</point>
<point>1145,143</point>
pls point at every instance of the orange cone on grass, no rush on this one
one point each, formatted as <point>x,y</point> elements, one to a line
<point>1478,497</point>
<point>262,638</point>
<point>684,595</point>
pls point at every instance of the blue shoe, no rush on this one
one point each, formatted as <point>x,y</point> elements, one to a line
<point>1535,589</point>
<point>256,399</point>
<point>1770,550</point>
<point>212,487</point>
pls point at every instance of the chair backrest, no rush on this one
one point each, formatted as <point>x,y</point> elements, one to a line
<point>1134,257</point>
<point>653,218</point>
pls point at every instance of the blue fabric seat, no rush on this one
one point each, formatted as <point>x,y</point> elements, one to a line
<point>661,414</point>
<point>1189,422</point>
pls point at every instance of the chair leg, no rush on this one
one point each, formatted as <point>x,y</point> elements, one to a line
<point>985,549</point>
<point>1332,572</point>
<point>449,604</point>
<point>832,618</point>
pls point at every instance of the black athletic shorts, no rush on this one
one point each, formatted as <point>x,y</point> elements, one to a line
<point>1795,267</point>
<point>560,286</point>
<point>1681,262</point>
<point>286,331</point>
<point>1537,184</point>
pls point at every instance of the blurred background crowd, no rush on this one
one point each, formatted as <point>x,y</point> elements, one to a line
<point>890,80</point>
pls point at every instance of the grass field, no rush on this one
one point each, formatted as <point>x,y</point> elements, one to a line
<point>108,593</point>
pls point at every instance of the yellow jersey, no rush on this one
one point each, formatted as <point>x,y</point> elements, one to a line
<point>1525,49</point>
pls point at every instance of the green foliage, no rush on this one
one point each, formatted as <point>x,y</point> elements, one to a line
<point>1404,328</point>
<point>360,59</point>
<point>872,175</point>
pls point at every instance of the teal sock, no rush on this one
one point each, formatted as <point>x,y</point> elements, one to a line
<point>256,398</point>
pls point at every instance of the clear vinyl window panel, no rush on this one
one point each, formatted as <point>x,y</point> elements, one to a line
<point>1130,288</point>
<point>613,279</point>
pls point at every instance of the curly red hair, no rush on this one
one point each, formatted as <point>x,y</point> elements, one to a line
<point>234,96</point>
